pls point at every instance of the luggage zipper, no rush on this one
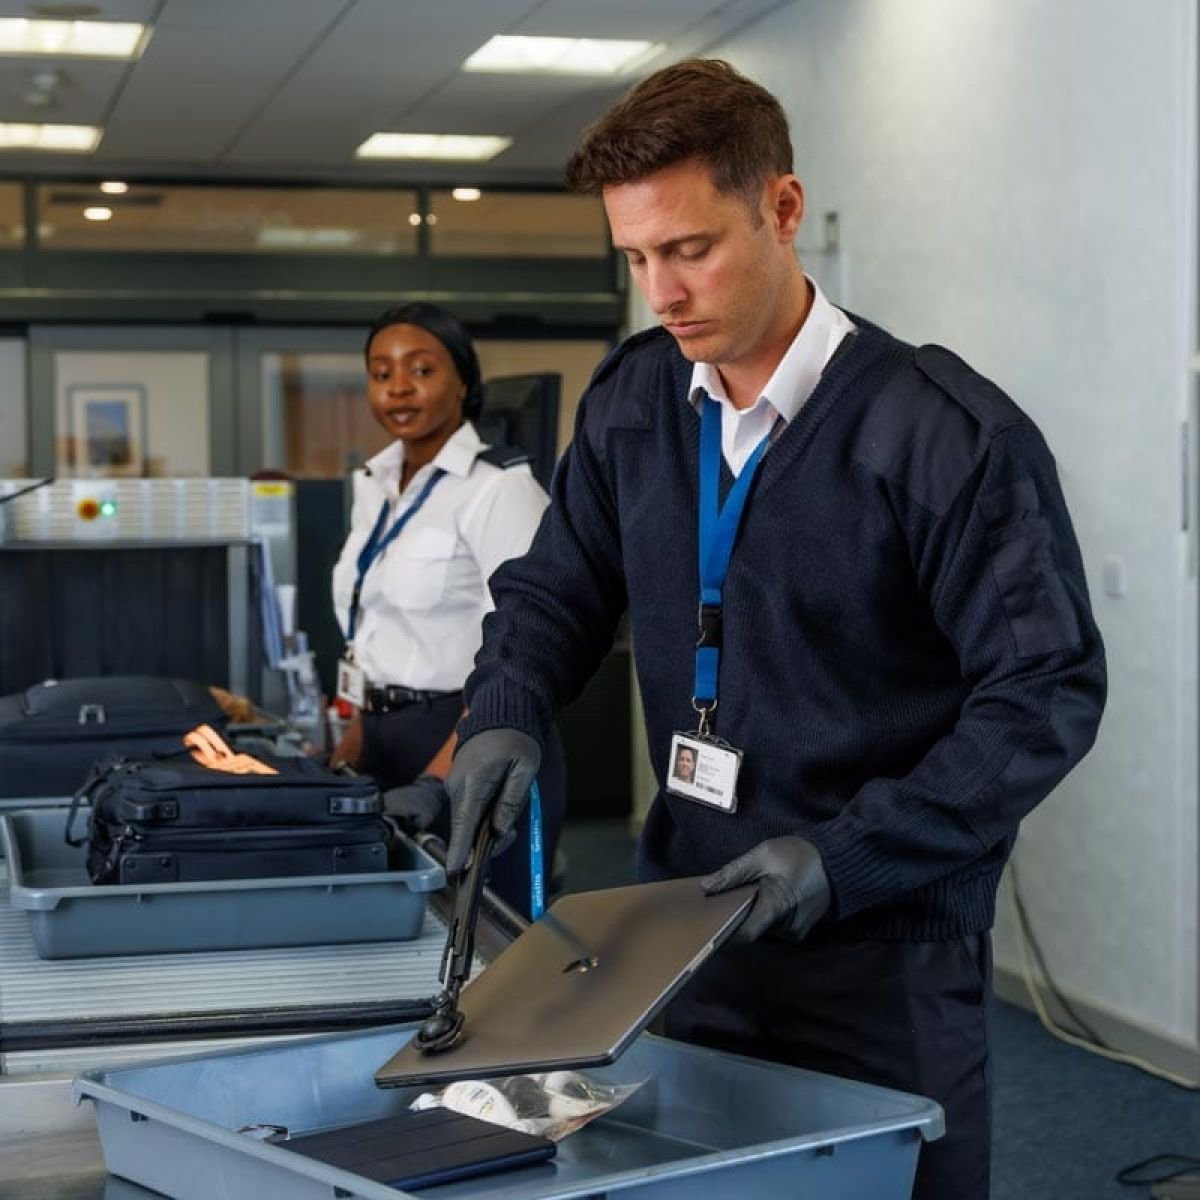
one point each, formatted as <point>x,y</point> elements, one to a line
<point>283,837</point>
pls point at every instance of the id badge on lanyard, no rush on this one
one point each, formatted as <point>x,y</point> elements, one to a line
<point>351,678</point>
<point>702,766</point>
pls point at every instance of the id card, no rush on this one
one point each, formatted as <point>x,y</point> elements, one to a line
<point>705,770</point>
<point>351,682</point>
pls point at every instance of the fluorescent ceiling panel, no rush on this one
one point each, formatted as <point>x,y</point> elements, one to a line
<point>558,55</point>
<point>446,147</point>
<point>71,139</point>
<point>82,39</point>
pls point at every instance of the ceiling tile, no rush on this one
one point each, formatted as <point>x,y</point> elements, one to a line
<point>289,88</point>
<point>250,14</point>
<point>180,105</point>
<point>82,97</point>
<point>658,20</point>
<point>375,66</point>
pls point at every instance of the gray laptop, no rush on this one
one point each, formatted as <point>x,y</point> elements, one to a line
<point>580,984</point>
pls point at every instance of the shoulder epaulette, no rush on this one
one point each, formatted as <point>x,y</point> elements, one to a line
<point>610,361</point>
<point>503,456</point>
<point>962,383</point>
<point>928,428</point>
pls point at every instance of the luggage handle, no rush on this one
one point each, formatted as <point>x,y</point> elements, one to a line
<point>95,776</point>
<point>92,713</point>
<point>150,810</point>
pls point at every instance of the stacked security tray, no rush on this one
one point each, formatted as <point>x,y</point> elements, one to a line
<point>703,1124</point>
<point>70,917</point>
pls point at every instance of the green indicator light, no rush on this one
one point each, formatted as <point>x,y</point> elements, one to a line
<point>108,508</point>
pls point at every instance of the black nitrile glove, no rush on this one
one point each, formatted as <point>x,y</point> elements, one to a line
<point>793,892</point>
<point>416,805</point>
<point>491,773</point>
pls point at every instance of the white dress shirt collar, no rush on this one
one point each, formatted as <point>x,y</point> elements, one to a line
<point>456,457</point>
<point>796,376</point>
<point>790,385</point>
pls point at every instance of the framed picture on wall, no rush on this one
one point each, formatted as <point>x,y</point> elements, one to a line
<point>108,429</point>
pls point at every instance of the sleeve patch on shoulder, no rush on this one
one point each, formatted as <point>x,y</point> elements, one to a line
<point>1032,591</point>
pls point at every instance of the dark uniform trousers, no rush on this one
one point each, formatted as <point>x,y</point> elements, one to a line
<point>915,1016</point>
<point>398,745</point>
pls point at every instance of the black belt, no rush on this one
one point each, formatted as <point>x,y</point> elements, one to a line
<point>388,699</point>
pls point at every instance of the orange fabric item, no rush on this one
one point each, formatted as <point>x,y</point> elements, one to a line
<point>210,750</point>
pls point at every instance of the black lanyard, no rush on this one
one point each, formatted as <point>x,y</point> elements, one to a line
<point>378,542</point>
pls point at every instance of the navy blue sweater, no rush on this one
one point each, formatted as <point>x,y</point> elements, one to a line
<point>910,661</point>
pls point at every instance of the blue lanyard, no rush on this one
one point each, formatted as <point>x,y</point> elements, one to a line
<point>378,542</point>
<point>718,531</point>
<point>537,872</point>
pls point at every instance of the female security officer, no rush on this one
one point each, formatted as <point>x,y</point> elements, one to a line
<point>434,514</point>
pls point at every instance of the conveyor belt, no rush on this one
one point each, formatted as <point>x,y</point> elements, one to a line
<point>70,1060</point>
<point>34,990</point>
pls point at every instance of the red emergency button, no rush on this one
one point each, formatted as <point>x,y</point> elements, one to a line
<point>88,509</point>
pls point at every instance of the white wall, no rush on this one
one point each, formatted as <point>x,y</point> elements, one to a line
<point>1014,178</point>
<point>13,429</point>
<point>175,386</point>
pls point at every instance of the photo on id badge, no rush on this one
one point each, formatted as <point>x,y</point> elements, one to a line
<point>351,683</point>
<point>703,770</point>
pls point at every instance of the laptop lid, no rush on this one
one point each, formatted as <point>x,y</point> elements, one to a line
<point>421,1149</point>
<point>580,984</point>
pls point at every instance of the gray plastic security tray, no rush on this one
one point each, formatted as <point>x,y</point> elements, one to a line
<point>704,1124</point>
<point>70,917</point>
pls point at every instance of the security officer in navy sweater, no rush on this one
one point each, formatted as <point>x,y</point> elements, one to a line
<point>854,591</point>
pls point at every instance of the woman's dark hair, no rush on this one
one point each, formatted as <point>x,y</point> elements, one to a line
<point>448,330</point>
<point>701,109</point>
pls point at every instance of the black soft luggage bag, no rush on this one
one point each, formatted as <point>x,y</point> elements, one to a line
<point>172,820</point>
<point>51,734</point>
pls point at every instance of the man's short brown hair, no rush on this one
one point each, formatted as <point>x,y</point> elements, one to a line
<point>700,108</point>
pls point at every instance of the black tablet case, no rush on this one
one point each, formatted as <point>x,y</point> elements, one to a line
<point>421,1149</point>
<point>580,984</point>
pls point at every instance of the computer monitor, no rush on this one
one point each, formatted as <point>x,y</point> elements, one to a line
<point>522,411</point>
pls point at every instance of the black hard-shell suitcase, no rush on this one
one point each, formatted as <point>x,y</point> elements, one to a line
<point>51,734</point>
<point>172,820</point>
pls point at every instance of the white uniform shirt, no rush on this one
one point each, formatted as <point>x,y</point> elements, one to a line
<point>794,380</point>
<point>424,599</point>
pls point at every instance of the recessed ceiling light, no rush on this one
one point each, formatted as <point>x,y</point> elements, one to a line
<point>71,139</point>
<point>83,39</point>
<point>466,193</point>
<point>97,212</point>
<point>454,147</point>
<point>557,55</point>
<point>114,187</point>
